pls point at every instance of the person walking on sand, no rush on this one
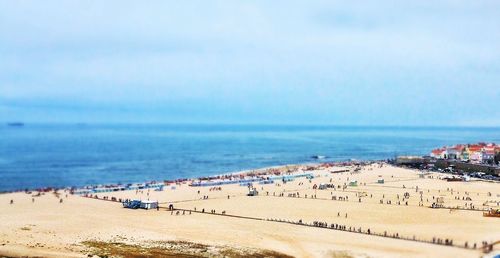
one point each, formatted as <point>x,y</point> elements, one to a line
<point>11,201</point>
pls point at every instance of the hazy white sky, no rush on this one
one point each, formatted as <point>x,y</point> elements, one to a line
<point>307,62</point>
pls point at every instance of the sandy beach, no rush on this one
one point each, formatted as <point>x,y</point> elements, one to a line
<point>390,219</point>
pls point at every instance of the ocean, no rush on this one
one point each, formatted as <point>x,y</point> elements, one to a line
<point>42,155</point>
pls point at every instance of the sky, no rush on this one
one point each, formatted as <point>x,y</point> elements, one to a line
<point>403,63</point>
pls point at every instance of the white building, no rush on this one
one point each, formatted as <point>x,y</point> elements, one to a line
<point>149,205</point>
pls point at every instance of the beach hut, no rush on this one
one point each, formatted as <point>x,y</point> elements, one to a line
<point>253,192</point>
<point>149,205</point>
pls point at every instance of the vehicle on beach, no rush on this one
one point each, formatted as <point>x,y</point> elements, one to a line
<point>132,204</point>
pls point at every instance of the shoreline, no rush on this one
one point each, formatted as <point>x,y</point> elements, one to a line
<point>200,178</point>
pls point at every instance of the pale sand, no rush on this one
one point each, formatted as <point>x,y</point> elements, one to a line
<point>49,228</point>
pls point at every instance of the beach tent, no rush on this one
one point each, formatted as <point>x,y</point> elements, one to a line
<point>149,205</point>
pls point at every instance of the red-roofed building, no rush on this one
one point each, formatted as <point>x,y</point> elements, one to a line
<point>489,148</point>
<point>475,148</point>
<point>475,153</point>
<point>437,153</point>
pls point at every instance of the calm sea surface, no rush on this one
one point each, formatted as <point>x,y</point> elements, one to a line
<point>74,155</point>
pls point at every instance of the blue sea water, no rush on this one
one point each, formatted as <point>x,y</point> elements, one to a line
<point>40,155</point>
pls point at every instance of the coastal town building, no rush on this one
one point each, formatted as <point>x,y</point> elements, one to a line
<point>437,153</point>
<point>488,156</point>
<point>451,153</point>
<point>465,154</point>
<point>478,153</point>
<point>476,157</point>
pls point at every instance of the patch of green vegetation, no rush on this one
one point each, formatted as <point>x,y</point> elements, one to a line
<point>340,254</point>
<point>169,249</point>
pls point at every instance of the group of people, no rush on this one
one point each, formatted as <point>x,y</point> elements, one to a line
<point>339,227</point>
<point>179,212</point>
<point>440,241</point>
<point>340,198</point>
<point>211,211</point>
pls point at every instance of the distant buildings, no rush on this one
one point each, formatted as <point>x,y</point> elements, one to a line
<point>405,160</point>
<point>479,153</point>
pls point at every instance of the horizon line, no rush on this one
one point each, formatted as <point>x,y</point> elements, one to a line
<point>248,124</point>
